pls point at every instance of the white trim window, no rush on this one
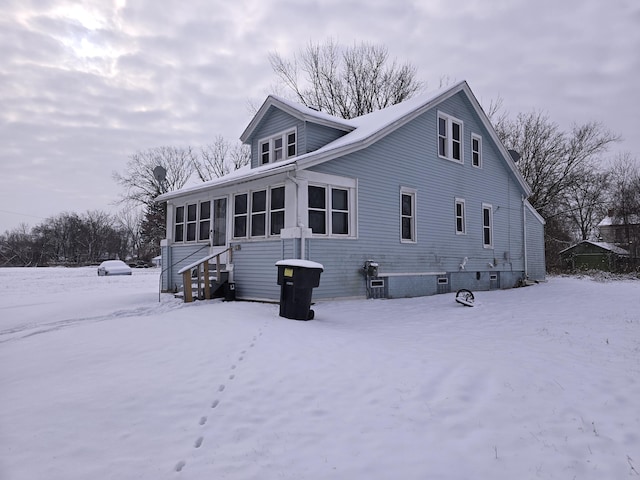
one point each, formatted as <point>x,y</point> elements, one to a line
<point>192,222</point>
<point>461,221</point>
<point>278,147</point>
<point>276,210</point>
<point>407,215</point>
<point>476,150</point>
<point>450,135</point>
<point>330,210</point>
<point>178,231</point>
<point>258,212</point>
<point>240,215</point>
<point>487,225</point>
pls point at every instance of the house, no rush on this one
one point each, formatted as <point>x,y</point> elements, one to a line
<point>416,199</point>
<point>623,233</point>
<point>590,255</point>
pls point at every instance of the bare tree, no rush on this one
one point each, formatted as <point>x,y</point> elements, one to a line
<point>220,158</point>
<point>553,160</point>
<point>625,201</point>
<point>138,180</point>
<point>142,187</point>
<point>586,202</point>
<point>129,221</point>
<point>346,81</point>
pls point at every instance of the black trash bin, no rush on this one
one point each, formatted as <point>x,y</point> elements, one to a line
<point>297,279</point>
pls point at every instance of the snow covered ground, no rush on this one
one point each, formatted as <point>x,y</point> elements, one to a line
<point>100,380</point>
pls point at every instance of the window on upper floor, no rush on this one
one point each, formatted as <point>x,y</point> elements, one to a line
<point>461,223</point>
<point>278,147</point>
<point>450,135</point>
<point>407,215</point>
<point>487,225</point>
<point>476,150</point>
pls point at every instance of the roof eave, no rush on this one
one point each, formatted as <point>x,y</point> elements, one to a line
<point>273,101</point>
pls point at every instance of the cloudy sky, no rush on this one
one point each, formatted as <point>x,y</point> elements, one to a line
<point>84,84</point>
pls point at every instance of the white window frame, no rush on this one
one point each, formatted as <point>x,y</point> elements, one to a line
<point>478,152</point>
<point>462,216</point>
<point>446,138</point>
<point>412,193</point>
<point>184,225</point>
<point>283,138</point>
<point>250,213</point>
<point>177,224</point>
<point>237,215</point>
<point>487,207</point>
<point>350,187</point>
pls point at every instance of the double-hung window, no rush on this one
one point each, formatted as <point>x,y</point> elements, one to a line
<point>461,225</point>
<point>329,210</point>
<point>278,147</point>
<point>204,225</point>
<point>276,208</point>
<point>178,234</point>
<point>407,215</point>
<point>487,225</point>
<point>192,214</point>
<point>240,212</point>
<point>450,135</point>
<point>258,213</point>
<point>476,150</point>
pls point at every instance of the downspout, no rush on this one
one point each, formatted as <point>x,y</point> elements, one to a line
<point>524,235</point>
<point>299,222</point>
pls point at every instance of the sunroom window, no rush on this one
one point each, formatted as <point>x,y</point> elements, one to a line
<point>329,210</point>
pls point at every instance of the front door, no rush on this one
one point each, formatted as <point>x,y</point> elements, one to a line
<point>219,231</point>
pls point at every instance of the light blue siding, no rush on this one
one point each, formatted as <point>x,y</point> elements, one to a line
<point>408,158</point>
<point>179,256</point>
<point>535,247</point>
<point>318,136</point>
<point>310,136</point>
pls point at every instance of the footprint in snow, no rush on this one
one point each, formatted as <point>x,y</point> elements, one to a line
<point>198,442</point>
<point>221,388</point>
<point>231,377</point>
<point>203,420</point>
<point>180,465</point>
<point>215,403</point>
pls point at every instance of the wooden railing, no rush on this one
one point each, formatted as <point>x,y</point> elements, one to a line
<point>202,277</point>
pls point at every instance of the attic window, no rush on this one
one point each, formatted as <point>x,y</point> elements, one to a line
<point>278,147</point>
<point>450,134</point>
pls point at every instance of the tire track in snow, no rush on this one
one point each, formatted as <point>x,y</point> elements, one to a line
<point>29,330</point>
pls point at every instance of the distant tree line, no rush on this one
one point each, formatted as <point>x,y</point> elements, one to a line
<point>66,239</point>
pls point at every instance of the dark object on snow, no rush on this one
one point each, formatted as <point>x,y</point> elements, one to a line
<point>297,278</point>
<point>465,297</point>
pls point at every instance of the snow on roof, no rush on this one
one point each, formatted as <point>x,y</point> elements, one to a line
<point>363,131</point>
<point>616,220</point>
<point>604,245</point>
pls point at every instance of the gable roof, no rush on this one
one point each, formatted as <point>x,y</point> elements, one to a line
<point>296,110</point>
<point>603,245</point>
<point>362,132</point>
<point>617,220</point>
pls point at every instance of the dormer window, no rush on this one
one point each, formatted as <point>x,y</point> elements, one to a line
<point>279,147</point>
